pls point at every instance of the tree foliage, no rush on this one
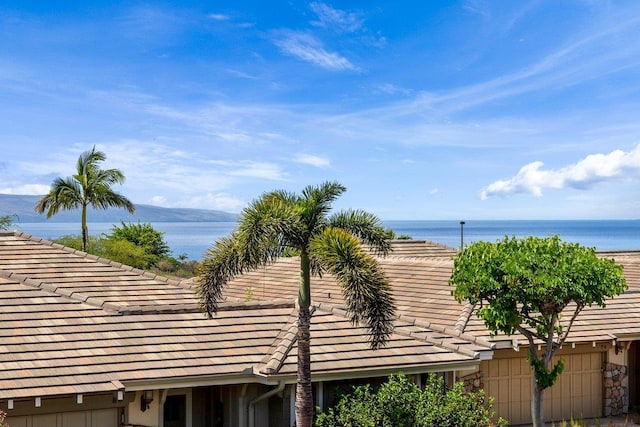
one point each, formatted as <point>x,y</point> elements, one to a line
<point>6,221</point>
<point>89,186</point>
<point>137,245</point>
<point>142,235</point>
<point>280,223</point>
<point>401,403</point>
<point>527,285</point>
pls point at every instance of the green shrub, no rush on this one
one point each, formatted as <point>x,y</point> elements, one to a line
<point>401,403</point>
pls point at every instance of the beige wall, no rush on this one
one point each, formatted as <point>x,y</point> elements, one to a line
<point>149,417</point>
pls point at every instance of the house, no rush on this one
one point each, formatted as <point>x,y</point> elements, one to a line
<point>89,342</point>
<point>602,352</point>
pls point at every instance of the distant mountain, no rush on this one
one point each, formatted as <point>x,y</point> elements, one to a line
<point>23,205</point>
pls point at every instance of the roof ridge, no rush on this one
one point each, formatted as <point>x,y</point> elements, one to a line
<point>443,329</point>
<point>420,241</point>
<point>419,259</point>
<point>442,342</point>
<point>465,315</point>
<point>197,308</point>
<point>282,345</point>
<point>330,308</point>
<point>106,261</point>
<point>49,287</point>
<point>426,326</point>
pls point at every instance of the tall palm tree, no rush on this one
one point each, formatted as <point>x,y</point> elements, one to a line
<point>89,186</point>
<point>280,221</point>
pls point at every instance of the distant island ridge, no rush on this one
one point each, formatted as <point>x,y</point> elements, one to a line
<point>23,207</point>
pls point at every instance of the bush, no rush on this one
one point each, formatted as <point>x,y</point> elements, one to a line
<point>142,235</point>
<point>401,403</point>
<point>6,221</point>
<point>129,253</point>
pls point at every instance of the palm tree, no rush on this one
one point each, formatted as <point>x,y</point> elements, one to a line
<point>280,221</point>
<point>89,186</point>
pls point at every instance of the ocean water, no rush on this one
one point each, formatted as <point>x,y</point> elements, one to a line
<point>194,238</point>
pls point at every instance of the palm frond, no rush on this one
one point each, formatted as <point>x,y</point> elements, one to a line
<point>89,160</point>
<point>271,221</point>
<point>315,204</point>
<point>365,288</point>
<point>64,194</point>
<point>264,231</point>
<point>107,177</point>
<point>220,265</point>
<point>366,227</point>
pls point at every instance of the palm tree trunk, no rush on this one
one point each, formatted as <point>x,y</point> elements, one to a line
<point>304,392</point>
<point>85,230</point>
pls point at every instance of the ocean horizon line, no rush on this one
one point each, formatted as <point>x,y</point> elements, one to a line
<point>194,238</point>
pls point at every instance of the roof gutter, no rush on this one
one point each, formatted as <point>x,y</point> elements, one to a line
<point>349,374</point>
<point>252,409</point>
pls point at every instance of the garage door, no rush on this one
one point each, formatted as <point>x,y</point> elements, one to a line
<point>577,393</point>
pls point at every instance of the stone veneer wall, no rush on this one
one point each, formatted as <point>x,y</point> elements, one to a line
<point>472,382</point>
<point>616,398</point>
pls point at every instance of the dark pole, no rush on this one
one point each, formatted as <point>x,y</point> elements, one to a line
<point>461,235</point>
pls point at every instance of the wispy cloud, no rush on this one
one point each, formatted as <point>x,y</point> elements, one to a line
<point>220,201</point>
<point>329,17</point>
<point>262,170</point>
<point>308,48</point>
<point>586,57</point>
<point>308,159</point>
<point>218,17</point>
<point>593,169</point>
<point>152,24</point>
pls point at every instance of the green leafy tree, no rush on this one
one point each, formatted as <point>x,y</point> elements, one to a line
<point>401,403</point>
<point>89,186</point>
<point>126,252</point>
<point>6,221</point>
<point>129,253</point>
<point>144,236</point>
<point>526,285</point>
<point>95,244</point>
<point>280,221</point>
<point>118,250</point>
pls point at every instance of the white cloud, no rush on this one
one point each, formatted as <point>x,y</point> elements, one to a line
<point>308,159</point>
<point>259,170</point>
<point>329,17</point>
<point>217,201</point>
<point>593,169</point>
<point>218,17</point>
<point>308,48</point>
<point>28,189</point>
<point>158,201</point>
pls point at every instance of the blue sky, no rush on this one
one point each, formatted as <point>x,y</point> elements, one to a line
<point>422,109</point>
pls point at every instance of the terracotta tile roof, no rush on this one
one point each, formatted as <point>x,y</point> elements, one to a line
<point>421,249</point>
<point>72,323</point>
<point>338,346</point>
<point>421,289</point>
